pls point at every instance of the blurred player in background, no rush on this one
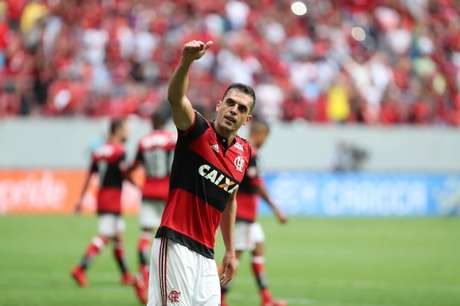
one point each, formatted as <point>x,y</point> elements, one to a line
<point>249,235</point>
<point>155,154</point>
<point>210,161</point>
<point>108,161</point>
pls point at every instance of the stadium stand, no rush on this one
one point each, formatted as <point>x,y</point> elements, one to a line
<point>346,61</point>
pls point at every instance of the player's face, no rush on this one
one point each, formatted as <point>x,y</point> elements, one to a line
<point>234,111</point>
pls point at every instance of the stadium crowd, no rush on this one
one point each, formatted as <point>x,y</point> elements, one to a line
<point>373,62</point>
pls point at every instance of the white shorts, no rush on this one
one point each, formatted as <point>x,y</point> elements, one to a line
<point>150,213</point>
<point>110,225</point>
<point>181,277</point>
<point>247,235</point>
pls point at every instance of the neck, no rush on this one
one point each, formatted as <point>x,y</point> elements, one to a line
<point>253,143</point>
<point>114,139</point>
<point>229,135</point>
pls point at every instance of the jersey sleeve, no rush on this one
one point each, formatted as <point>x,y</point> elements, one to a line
<point>199,126</point>
<point>253,172</point>
<point>93,165</point>
<point>139,159</point>
<point>122,164</point>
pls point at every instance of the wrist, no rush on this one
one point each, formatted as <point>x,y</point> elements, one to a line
<point>186,61</point>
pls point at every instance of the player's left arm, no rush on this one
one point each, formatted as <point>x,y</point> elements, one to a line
<point>136,164</point>
<point>89,174</point>
<point>79,205</point>
<point>256,181</point>
<point>227,227</point>
<point>126,170</point>
<point>263,193</point>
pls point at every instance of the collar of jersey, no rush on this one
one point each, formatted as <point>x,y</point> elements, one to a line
<point>223,141</point>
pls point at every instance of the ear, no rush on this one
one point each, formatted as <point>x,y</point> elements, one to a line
<point>218,105</point>
<point>248,119</point>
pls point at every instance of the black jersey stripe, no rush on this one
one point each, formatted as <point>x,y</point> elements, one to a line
<point>203,187</point>
<point>186,241</point>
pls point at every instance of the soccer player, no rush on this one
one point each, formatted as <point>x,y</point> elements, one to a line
<point>210,161</point>
<point>248,233</point>
<point>108,161</point>
<point>154,154</point>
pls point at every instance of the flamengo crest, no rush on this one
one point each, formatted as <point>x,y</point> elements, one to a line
<point>173,296</point>
<point>239,163</point>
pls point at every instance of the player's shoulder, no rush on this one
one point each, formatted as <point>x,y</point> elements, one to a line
<point>199,126</point>
<point>243,145</point>
<point>170,135</point>
<point>200,121</point>
<point>118,150</point>
<point>157,138</point>
<point>109,150</point>
<point>118,147</point>
<point>242,140</point>
<point>105,149</point>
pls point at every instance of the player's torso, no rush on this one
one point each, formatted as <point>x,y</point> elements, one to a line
<point>107,161</point>
<point>157,149</point>
<point>209,170</point>
<point>204,175</point>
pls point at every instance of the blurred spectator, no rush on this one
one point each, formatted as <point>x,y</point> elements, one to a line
<point>345,61</point>
<point>338,106</point>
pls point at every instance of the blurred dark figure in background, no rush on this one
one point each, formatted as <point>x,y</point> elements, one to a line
<point>348,157</point>
<point>155,154</point>
<point>109,163</point>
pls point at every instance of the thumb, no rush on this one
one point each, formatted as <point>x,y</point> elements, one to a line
<point>208,44</point>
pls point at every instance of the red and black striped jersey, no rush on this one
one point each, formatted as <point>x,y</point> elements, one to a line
<point>247,196</point>
<point>107,163</point>
<point>155,152</point>
<point>205,172</point>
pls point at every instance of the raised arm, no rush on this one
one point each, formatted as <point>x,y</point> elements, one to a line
<point>227,227</point>
<point>182,110</point>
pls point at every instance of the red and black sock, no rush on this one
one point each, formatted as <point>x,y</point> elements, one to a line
<point>258,269</point>
<point>143,245</point>
<point>93,249</point>
<point>223,291</point>
<point>119,253</point>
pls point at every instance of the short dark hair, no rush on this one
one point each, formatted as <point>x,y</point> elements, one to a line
<point>116,124</point>
<point>244,89</point>
<point>159,118</point>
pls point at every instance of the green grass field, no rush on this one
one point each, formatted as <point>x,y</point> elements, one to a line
<point>324,262</point>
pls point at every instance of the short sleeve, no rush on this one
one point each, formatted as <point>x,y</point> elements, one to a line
<point>93,165</point>
<point>199,126</point>
<point>139,159</point>
<point>253,172</point>
<point>123,156</point>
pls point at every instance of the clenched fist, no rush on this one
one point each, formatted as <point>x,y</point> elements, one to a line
<point>195,49</point>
